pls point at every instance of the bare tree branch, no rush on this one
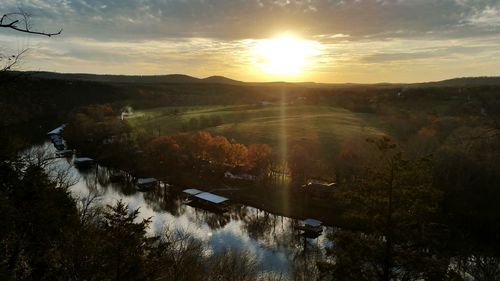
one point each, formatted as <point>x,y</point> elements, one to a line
<point>87,208</point>
<point>20,21</point>
<point>42,157</point>
<point>11,60</point>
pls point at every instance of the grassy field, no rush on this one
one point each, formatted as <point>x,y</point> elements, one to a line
<point>322,125</point>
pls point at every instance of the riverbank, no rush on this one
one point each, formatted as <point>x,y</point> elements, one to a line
<point>283,200</point>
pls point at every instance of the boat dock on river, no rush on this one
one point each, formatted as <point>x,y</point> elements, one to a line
<point>192,191</point>
<point>311,228</point>
<point>145,184</point>
<point>83,162</point>
<point>57,131</point>
<point>55,137</point>
<point>206,200</point>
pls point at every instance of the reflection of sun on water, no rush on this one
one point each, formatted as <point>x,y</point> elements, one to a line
<point>285,55</point>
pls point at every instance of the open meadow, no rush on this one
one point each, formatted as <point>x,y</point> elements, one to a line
<point>325,126</point>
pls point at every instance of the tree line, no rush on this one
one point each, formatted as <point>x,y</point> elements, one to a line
<point>46,234</point>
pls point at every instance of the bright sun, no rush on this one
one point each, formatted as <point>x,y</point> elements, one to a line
<point>285,55</point>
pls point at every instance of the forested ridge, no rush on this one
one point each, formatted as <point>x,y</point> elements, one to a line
<point>421,201</point>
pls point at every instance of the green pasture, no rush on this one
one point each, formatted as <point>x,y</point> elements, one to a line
<point>323,125</point>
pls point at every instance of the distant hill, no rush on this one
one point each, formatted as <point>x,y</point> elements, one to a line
<point>170,78</point>
<point>221,80</point>
<point>182,78</point>
<point>454,82</point>
<point>463,81</point>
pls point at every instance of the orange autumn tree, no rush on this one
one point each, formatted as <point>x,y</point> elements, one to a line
<point>198,145</point>
<point>219,150</point>
<point>238,155</point>
<point>259,157</point>
<point>163,150</point>
<point>201,149</point>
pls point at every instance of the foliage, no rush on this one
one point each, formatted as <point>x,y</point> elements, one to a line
<point>35,217</point>
<point>45,235</point>
<point>397,207</point>
<point>202,150</point>
<point>442,223</point>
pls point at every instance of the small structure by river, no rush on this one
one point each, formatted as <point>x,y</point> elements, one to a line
<point>55,137</point>
<point>311,228</point>
<point>83,162</point>
<point>57,131</point>
<point>207,200</point>
<point>144,184</point>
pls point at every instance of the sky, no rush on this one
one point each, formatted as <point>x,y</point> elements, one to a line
<point>363,41</point>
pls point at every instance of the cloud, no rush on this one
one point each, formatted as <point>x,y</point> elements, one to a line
<point>239,19</point>
<point>203,38</point>
<point>437,53</point>
<point>488,17</point>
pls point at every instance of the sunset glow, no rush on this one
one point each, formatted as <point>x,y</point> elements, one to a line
<point>285,55</point>
<point>305,40</point>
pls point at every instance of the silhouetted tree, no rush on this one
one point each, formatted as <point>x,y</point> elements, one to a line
<point>397,208</point>
<point>21,22</point>
<point>126,244</point>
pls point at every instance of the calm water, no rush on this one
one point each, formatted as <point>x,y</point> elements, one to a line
<point>272,238</point>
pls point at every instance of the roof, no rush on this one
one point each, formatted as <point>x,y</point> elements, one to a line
<point>146,180</point>
<point>83,159</point>
<point>312,222</point>
<point>216,199</point>
<point>57,130</point>
<point>192,191</point>
<point>320,182</point>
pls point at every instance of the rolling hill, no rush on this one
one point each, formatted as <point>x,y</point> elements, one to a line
<point>216,79</point>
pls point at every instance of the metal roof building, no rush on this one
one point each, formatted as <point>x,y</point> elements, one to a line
<point>312,222</point>
<point>142,181</point>
<point>80,160</point>
<point>192,191</point>
<point>212,198</point>
<point>57,131</point>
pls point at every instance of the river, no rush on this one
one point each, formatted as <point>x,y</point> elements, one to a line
<point>273,239</point>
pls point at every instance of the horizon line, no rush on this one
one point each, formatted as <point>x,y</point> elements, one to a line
<point>256,82</point>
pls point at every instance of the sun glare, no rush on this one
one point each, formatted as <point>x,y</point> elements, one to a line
<point>285,55</point>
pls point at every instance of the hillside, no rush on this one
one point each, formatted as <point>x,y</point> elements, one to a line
<point>217,79</point>
<point>463,81</point>
<point>221,80</point>
<point>170,78</point>
<point>322,127</point>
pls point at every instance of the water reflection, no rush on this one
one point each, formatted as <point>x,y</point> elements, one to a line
<point>271,238</point>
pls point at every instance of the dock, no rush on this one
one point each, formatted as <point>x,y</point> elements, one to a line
<point>83,162</point>
<point>211,198</point>
<point>311,228</point>
<point>144,184</point>
<point>206,200</point>
<point>65,153</point>
<point>118,176</point>
<point>192,191</point>
<point>57,131</point>
<point>55,137</point>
